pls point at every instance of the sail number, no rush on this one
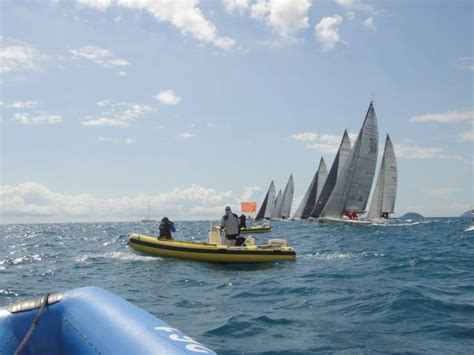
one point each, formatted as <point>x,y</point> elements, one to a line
<point>373,145</point>
<point>190,344</point>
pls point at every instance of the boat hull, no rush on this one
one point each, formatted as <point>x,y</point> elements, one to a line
<point>256,229</point>
<point>90,320</point>
<point>341,221</point>
<point>209,252</point>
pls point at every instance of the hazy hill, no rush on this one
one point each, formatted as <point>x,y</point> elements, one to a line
<point>412,215</point>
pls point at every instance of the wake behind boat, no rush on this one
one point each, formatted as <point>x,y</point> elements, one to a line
<point>213,250</point>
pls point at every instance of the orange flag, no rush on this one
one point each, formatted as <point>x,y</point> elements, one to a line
<point>248,207</point>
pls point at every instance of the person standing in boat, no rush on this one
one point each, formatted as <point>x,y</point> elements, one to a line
<point>231,224</point>
<point>243,221</point>
<point>166,227</point>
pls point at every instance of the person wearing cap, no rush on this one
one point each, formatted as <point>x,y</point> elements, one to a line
<point>166,227</point>
<point>231,224</point>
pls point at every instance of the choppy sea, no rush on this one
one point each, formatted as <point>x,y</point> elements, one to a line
<point>401,288</point>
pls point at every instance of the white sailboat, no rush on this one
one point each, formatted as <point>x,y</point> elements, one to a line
<point>313,192</point>
<point>383,199</point>
<point>287,199</point>
<point>336,169</point>
<point>350,194</point>
<point>266,210</point>
<point>278,205</point>
<point>148,220</point>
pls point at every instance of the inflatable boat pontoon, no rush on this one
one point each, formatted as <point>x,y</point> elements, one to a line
<point>88,320</point>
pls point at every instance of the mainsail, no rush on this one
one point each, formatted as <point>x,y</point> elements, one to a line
<point>268,204</point>
<point>383,199</point>
<point>287,199</point>
<point>313,192</point>
<point>336,168</point>
<point>276,213</point>
<point>352,188</point>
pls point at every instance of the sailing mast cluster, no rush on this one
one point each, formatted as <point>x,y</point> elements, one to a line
<point>342,194</point>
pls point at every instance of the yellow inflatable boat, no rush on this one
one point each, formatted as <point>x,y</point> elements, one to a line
<point>262,228</point>
<point>275,250</point>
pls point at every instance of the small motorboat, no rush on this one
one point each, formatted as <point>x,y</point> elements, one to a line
<point>260,228</point>
<point>214,250</point>
<point>88,320</point>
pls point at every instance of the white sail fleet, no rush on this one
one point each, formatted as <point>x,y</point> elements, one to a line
<point>342,194</point>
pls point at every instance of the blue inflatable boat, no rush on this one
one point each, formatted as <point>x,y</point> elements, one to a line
<point>88,320</point>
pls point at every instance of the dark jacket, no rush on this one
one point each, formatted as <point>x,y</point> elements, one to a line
<point>166,227</point>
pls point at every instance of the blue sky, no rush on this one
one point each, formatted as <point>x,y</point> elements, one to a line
<point>192,105</point>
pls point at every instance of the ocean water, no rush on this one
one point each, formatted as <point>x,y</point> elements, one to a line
<point>402,288</point>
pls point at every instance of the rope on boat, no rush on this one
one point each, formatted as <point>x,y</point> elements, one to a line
<point>33,326</point>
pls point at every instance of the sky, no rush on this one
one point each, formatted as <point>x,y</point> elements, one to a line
<point>108,105</point>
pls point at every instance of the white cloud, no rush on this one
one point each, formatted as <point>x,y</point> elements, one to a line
<point>185,135</point>
<point>96,4</point>
<point>402,151</point>
<point>19,104</point>
<point>466,135</point>
<point>250,193</point>
<point>232,6</point>
<point>356,5</point>
<point>168,97</point>
<point>369,24</point>
<point>121,114</point>
<point>31,201</point>
<point>17,56</point>
<point>305,136</point>
<point>38,118</point>
<point>465,63</point>
<point>449,117</point>
<point>122,73</point>
<point>326,143</point>
<point>116,140</point>
<point>285,17</point>
<point>326,32</point>
<point>100,56</point>
<point>183,14</point>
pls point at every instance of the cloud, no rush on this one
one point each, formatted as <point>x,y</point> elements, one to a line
<point>19,104</point>
<point>250,193</point>
<point>120,114</point>
<point>38,118</point>
<point>183,14</point>
<point>122,73</point>
<point>305,136</point>
<point>96,4</point>
<point>449,117</point>
<point>285,17</point>
<point>326,143</point>
<point>116,140</point>
<point>18,56</point>
<point>326,32</point>
<point>406,152</point>
<point>466,135</point>
<point>355,5</point>
<point>99,56</point>
<point>31,201</point>
<point>369,24</point>
<point>185,135</point>
<point>465,63</point>
<point>168,97</point>
<point>240,6</point>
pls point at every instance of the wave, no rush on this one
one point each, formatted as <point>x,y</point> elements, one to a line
<point>123,256</point>
<point>337,255</point>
